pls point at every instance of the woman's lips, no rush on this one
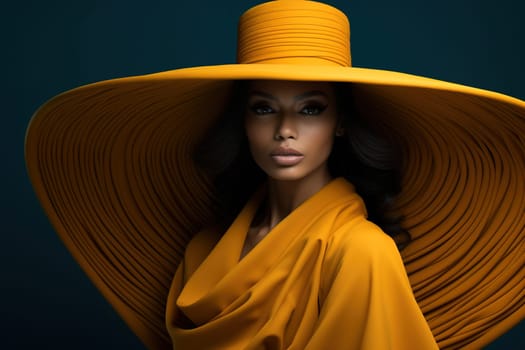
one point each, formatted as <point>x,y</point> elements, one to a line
<point>286,156</point>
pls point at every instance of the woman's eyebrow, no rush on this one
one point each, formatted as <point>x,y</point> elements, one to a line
<point>302,96</point>
<point>262,94</point>
<point>309,94</point>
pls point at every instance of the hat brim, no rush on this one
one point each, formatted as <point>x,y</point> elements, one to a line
<point>111,163</point>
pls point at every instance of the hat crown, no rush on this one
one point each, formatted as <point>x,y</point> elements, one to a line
<point>294,31</point>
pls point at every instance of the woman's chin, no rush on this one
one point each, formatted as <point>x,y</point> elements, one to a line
<point>286,174</point>
<point>295,174</point>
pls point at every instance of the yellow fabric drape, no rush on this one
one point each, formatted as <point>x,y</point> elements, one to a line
<point>323,278</point>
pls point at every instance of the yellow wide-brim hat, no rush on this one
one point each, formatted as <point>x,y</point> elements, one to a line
<point>112,165</point>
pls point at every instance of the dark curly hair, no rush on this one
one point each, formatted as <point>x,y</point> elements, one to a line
<point>363,155</point>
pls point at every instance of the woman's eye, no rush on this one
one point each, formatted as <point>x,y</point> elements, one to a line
<point>313,109</point>
<point>261,109</point>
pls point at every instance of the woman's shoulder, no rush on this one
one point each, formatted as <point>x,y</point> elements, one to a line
<point>361,238</point>
<point>205,237</point>
<point>360,252</point>
<point>200,246</point>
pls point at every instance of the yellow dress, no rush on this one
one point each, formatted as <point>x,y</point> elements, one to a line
<point>323,278</point>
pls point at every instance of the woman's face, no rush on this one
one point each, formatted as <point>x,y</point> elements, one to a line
<point>291,127</point>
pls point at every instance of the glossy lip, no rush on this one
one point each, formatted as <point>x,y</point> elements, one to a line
<point>284,156</point>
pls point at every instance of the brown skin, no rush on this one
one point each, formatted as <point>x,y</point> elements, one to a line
<point>283,117</point>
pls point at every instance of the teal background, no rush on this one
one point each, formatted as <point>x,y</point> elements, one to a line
<point>51,46</point>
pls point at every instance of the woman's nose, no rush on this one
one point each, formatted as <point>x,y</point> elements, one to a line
<point>286,128</point>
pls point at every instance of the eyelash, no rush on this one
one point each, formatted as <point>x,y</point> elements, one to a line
<point>264,109</point>
<point>319,109</point>
<point>258,108</point>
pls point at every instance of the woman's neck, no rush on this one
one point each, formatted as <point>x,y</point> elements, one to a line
<point>285,196</point>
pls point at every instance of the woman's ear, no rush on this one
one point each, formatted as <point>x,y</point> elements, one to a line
<point>339,131</point>
<point>340,128</point>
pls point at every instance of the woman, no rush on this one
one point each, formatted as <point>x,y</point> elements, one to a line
<point>309,270</point>
<point>297,265</point>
